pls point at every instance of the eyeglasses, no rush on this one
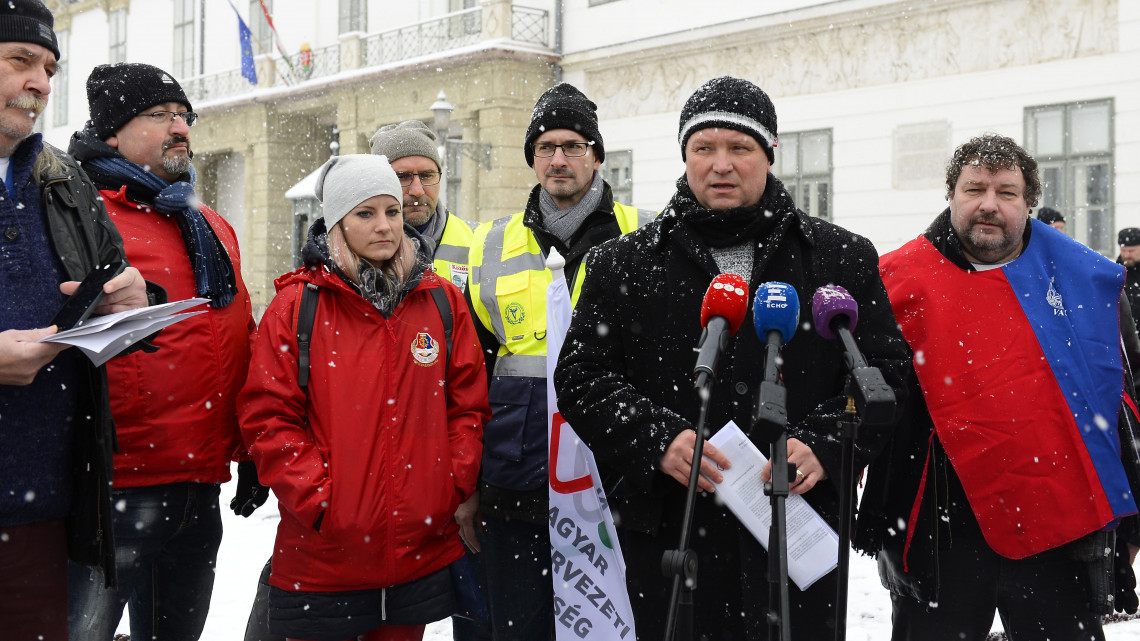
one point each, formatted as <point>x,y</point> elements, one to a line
<point>427,178</point>
<point>570,149</point>
<point>163,117</point>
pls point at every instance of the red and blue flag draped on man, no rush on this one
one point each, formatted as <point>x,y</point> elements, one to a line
<point>1040,468</point>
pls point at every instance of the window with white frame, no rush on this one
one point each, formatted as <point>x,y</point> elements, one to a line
<point>618,172</point>
<point>259,26</point>
<point>353,15</point>
<point>183,38</point>
<point>803,164</point>
<point>59,100</point>
<point>1073,146</point>
<point>117,36</point>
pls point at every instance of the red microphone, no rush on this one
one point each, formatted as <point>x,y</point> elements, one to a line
<point>722,312</point>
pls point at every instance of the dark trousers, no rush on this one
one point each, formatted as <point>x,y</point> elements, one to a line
<point>465,629</point>
<point>257,626</point>
<point>731,601</point>
<point>1038,598</point>
<point>33,581</point>
<point>520,590</point>
<point>166,546</point>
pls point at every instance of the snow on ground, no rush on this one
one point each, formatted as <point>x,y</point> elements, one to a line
<point>247,544</point>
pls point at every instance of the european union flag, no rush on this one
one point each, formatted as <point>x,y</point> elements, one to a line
<point>248,71</point>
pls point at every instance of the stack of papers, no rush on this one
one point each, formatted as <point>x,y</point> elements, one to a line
<point>813,546</point>
<point>102,337</point>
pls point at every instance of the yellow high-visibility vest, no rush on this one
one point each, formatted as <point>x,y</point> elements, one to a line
<point>508,288</point>
<point>452,255</point>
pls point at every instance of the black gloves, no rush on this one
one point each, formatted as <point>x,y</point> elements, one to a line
<point>250,494</point>
<point>1126,599</point>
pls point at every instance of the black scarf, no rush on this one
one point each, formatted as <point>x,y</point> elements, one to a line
<point>730,227</point>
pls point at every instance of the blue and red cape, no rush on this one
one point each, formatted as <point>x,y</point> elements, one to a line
<point>1021,370</point>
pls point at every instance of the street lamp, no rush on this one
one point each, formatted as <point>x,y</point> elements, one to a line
<point>441,109</point>
<point>480,152</point>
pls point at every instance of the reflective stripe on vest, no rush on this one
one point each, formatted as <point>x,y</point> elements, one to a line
<point>452,255</point>
<point>508,288</point>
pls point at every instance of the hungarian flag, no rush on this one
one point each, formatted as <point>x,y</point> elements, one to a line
<point>590,598</point>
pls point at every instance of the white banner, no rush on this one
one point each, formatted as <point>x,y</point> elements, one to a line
<point>590,598</point>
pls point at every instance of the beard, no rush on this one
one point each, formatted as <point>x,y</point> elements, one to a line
<point>990,248</point>
<point>416,218</point>
<point>177,164</point>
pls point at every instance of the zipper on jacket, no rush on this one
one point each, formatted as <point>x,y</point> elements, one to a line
<point>383,604</point>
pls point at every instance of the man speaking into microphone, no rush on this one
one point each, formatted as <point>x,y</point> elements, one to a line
<point>626,373</point>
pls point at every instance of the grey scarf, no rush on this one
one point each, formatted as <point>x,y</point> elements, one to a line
<point>563,223</point>
<point>433,229</point>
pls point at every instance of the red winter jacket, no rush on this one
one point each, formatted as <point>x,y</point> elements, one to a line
<point>175,410</point>
<point>369,483</point>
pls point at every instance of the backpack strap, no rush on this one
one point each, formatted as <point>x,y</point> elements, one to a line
<point>306,313</point>
<point>444,307</point>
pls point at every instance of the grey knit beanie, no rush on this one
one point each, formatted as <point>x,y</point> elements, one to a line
<point>409,138</point>
<point>347,181</point>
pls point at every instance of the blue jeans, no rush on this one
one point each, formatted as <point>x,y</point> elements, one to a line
<point>520,588</point>
<point>166,546</point>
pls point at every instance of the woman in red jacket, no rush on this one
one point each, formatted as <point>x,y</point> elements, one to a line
<point>371,459</point>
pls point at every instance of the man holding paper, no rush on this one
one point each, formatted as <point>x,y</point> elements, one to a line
<point>625,374</point>
<point>55,423</point>
<point>175,410</point>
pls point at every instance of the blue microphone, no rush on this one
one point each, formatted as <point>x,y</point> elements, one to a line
<point>776,309</point>
<point>775,315</point>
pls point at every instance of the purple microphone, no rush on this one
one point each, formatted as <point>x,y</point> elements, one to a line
<point>830,303</point>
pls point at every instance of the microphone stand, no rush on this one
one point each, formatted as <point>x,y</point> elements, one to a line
<point>681,563</point>
<point>869,396</point>
<point>772,418</point>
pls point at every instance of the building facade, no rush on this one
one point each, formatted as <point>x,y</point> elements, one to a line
<point>872,96</point>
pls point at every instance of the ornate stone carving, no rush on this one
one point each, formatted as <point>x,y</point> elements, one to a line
<point>897,43</point>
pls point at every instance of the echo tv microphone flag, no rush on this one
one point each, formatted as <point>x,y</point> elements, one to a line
<point>775,314</point>
<point>776,309</point>
<point>722,313</point>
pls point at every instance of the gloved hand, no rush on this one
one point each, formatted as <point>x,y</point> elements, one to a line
<point>250,493</point>
<point>1126,599</point>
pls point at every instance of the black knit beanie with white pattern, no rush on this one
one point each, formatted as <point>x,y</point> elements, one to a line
<point>731,103</point>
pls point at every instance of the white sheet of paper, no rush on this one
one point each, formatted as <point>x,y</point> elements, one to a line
<point>103,346</point>
<point>103,337</point>
<point>101,323</point>
<point>813,547</point>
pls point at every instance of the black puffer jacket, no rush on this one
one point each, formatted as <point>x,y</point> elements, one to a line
<point>624,377</point>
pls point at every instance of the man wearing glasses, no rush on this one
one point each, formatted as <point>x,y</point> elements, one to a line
<point>174,409</point>
<point>412,150</point>
<point>571,209</point>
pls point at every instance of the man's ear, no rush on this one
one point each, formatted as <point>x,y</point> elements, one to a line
<point>113,142</point>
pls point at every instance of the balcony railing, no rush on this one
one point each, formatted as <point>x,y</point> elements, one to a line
<point>529,25</point>
<point>452,31</point>
<point>215,86</point>
<point>430,37</point>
